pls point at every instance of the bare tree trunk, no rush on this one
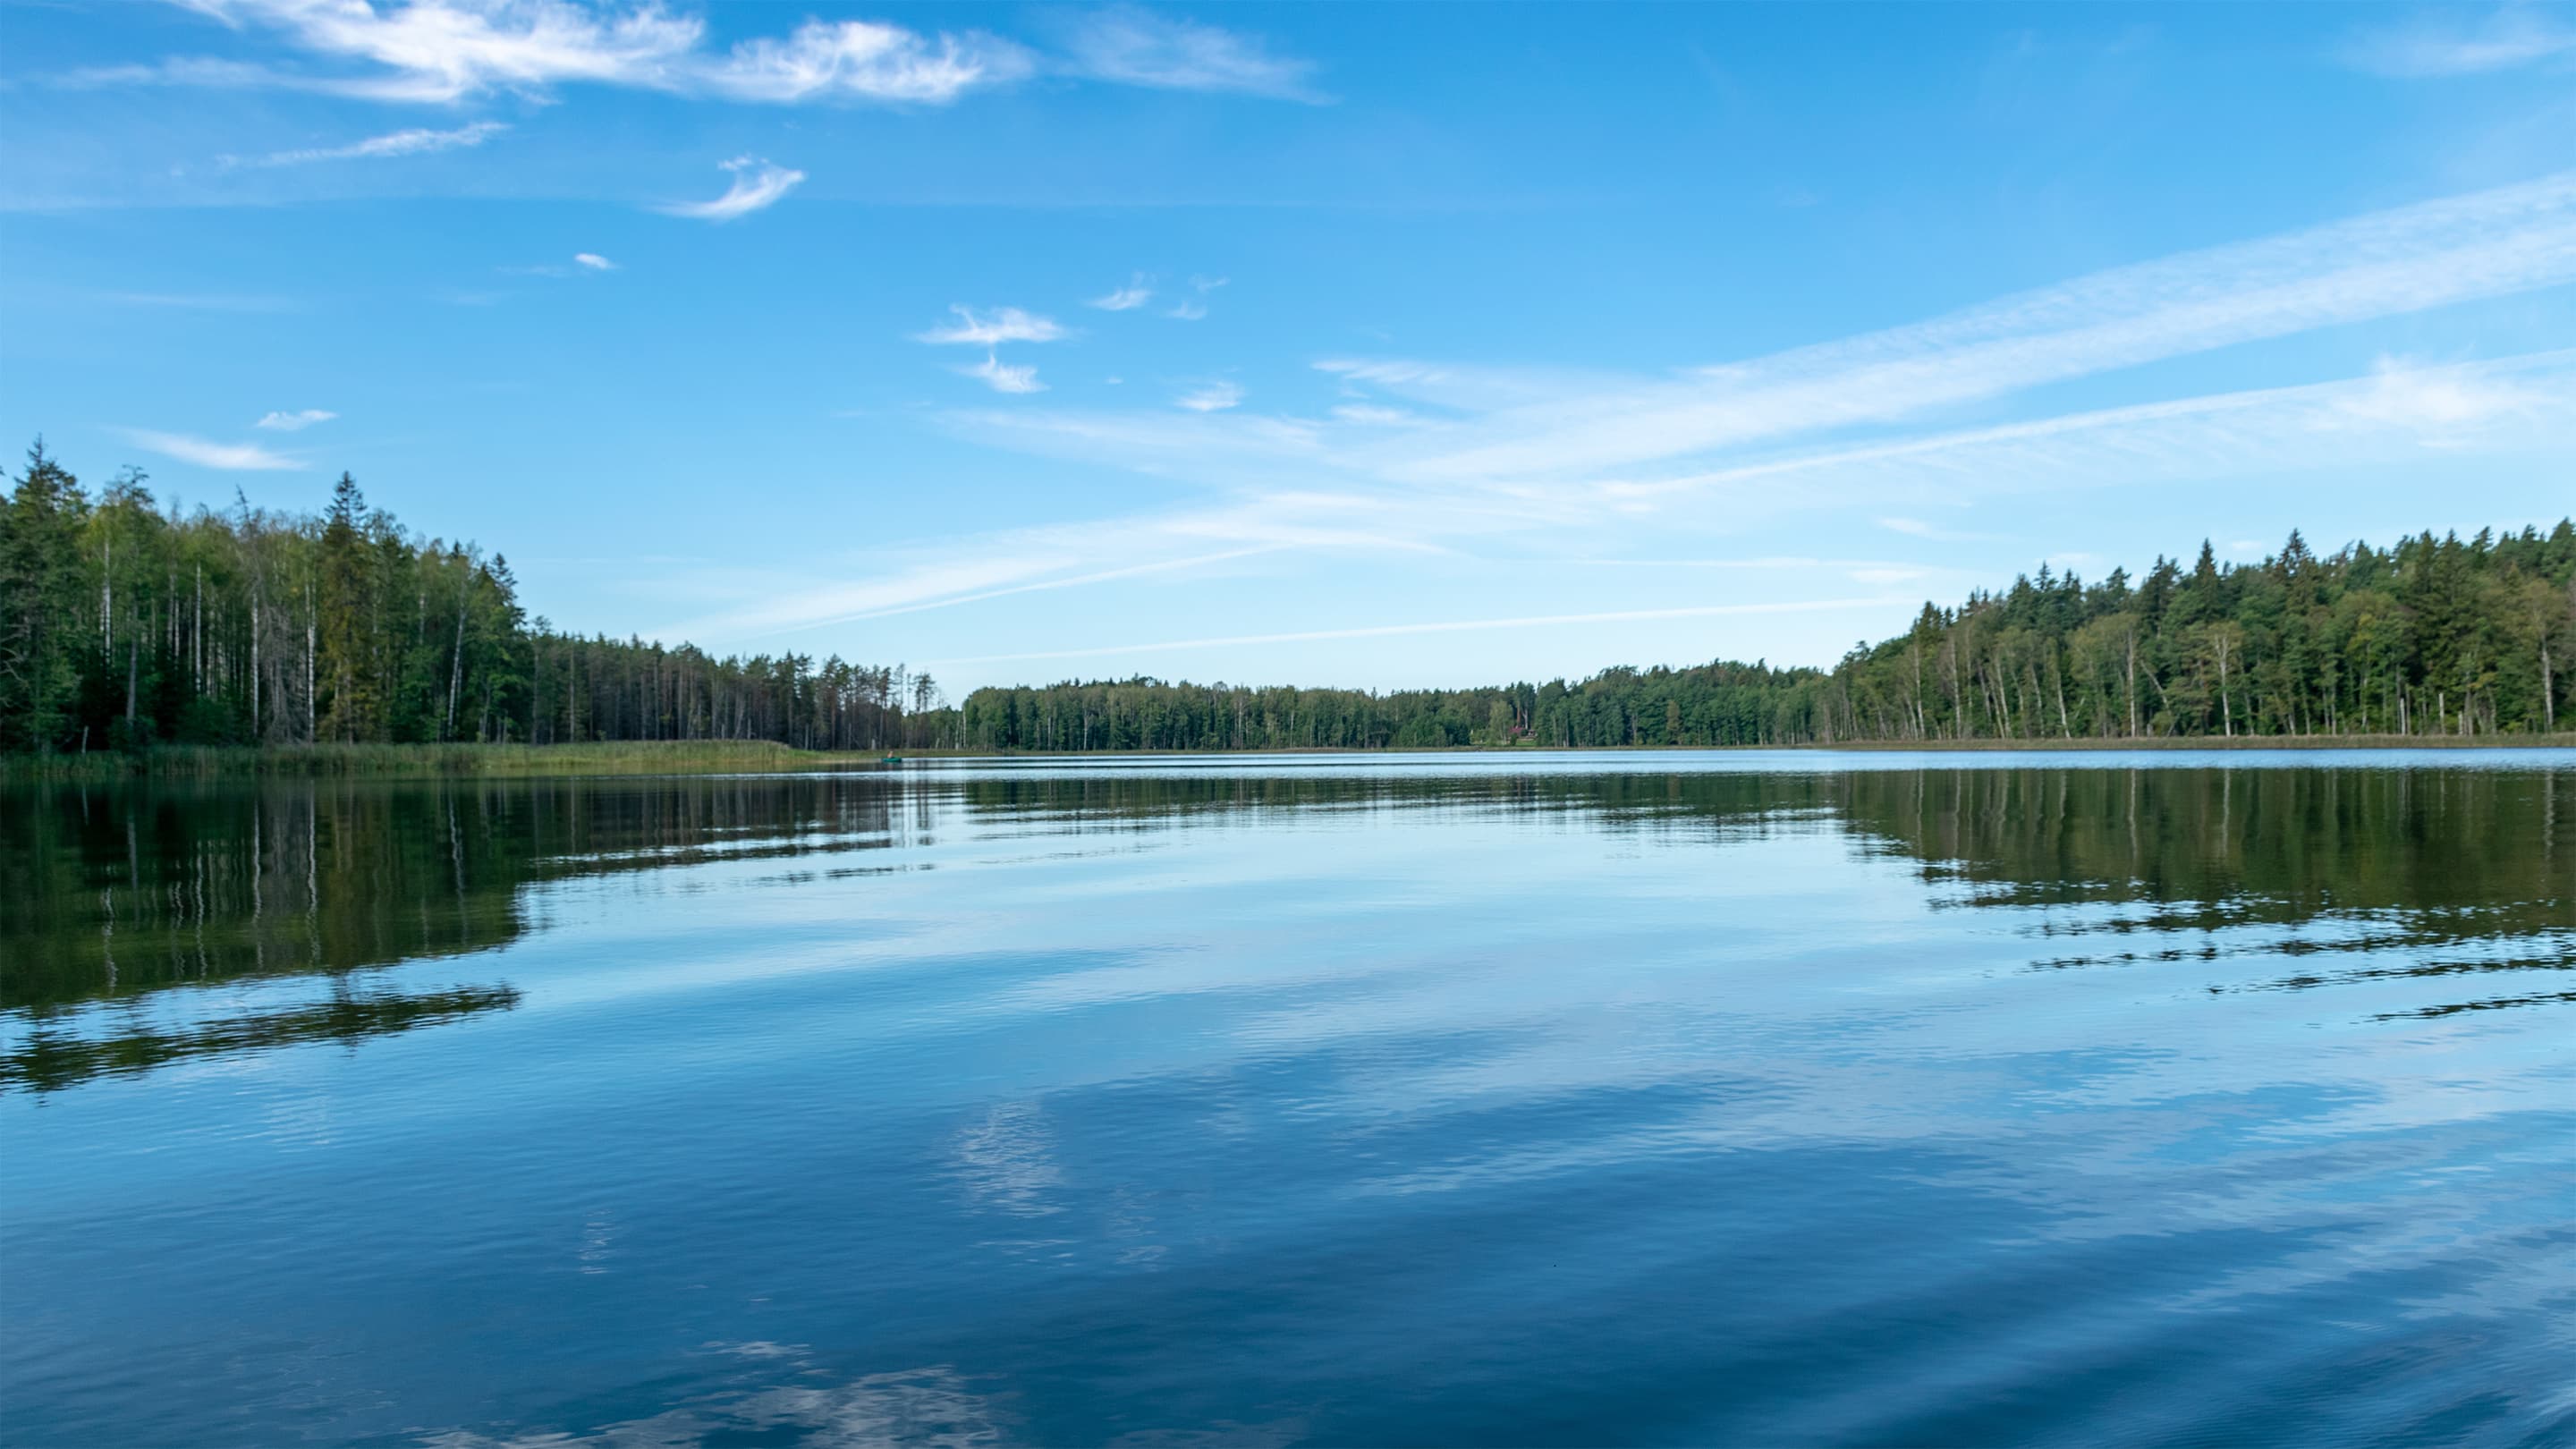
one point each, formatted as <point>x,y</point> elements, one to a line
<point>2226,710</point>
<point>456,661</point>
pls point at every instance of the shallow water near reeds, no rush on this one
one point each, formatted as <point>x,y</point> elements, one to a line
<point>1670,1099</point>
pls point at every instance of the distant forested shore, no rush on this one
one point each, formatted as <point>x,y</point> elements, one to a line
<point>2433,638</point>
<point>213,637</point>
<point>126,626</point>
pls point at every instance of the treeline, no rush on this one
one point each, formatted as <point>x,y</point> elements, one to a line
<point>2432,636</point>
<point>125,625</point>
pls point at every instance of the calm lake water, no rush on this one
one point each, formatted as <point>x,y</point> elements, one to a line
<point>1678,1099</point>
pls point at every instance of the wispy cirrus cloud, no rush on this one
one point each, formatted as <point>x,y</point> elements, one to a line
<point>417,141</point>
<point>206,453</point>
<point>1443,626</point>
<point>757,183</point>
<point>988,329</point>
<point>1125,299</point>
<point>1136,47</point>
<point>1005,377</point>
<point>864,60</point>
<point>295,422</point>
<point>443,51</point>
<point>1193,309</point>
<point>1371,415</point>
<point>2485,244</point>
<point>984,567</point>
<point>581,262</point>
<point>1566,462</point>
<point>1212,397</point>
<point>2457,41</point>
<point>2522,401</point>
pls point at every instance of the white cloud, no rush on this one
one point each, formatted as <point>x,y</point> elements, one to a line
<point>2445,43</point>
<point>867,60</point>
<point>1369,415</point>
<point>2484,244</point>
<point>444,50</point>
<point>1187,311</point>
<point>1003,377</point>
<point>594,261</point>
<point>756,183</point>
<point>2519,401</point>
<point>988,329</point>
<point>1566,461</point>
<point>183,70</point>
<point>1127,298</point>
<point>976,569</point>
<point>231,457</point>
<point>448,50</point>
<point>295,422</point>
<point>1214,397</point>
<point>1447,626</point>
<point>415,142</point>
<point>1134,47</point>
<point>2438,402</point>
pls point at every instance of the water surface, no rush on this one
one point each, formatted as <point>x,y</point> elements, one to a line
<point>1741,1098</point>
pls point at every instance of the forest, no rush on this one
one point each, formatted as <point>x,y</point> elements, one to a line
<point>125,625</point>
<point>2433,636</point>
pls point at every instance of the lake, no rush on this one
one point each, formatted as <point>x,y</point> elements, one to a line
<point>1740,1098</point>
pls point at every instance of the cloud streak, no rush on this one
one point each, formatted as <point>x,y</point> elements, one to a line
<point>1135,47</point>
<point>1450,626</point>
<point>757,183</point>
<point>864,60</point>
<point>2486,244</point>
<point>414,142</point>
<point>294,422</point>
<point>1124,299</point>
<point>1005,377</point>
<point>205,453</point>
<point>1562,463</point>
<point>1214,397</point>
<point>990,329</point>
<point>2444,44</point>
<point>443,51</point>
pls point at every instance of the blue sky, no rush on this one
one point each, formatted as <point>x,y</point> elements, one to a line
<point>1432,345</point>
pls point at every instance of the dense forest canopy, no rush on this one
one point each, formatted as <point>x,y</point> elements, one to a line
<point>124,624</point>
<point>2432,636</point>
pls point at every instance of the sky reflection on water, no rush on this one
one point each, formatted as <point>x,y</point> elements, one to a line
<point>1603,1099</point>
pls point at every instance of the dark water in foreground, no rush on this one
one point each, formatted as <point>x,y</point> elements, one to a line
<point>1716,1100</point>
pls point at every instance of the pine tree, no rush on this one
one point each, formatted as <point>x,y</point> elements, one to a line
<point>39,603</point>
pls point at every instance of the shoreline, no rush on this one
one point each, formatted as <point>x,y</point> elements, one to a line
<point>743,756</point>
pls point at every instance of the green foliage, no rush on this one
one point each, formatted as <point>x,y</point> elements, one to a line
<point>39,603</point>
<point>125,626</point>
<point>2430,637</point>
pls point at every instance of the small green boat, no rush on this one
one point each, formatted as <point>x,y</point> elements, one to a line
<point>893,759</point>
